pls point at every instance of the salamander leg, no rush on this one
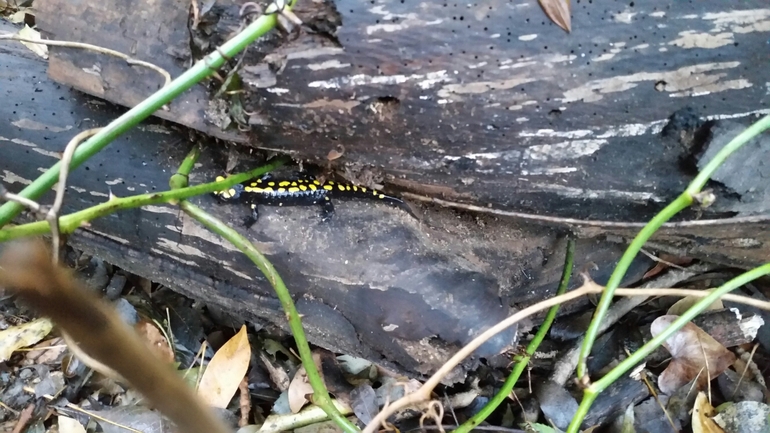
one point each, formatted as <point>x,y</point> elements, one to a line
<point>327,209</point>
<point>253,218</point>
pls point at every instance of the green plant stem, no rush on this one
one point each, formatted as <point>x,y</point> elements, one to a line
<point>683,201</point>
<point>613,283</point>
<point>592,391</point>
<point>70,223</point>
<point>523,361</point>
<point>320,394</point>
<point>202,69</point>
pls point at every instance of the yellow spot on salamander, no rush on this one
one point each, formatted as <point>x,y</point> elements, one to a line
<point>317,182</point>
<point>328,187</point>
<point>254,184</point>
<point>293,189</point>
<point>268,189</point>
<point>347,187</point>
<point>381,196</point>
<point>284,183</point>
<point>271,184</point>
<point>281,190</point>
<point>363,189</point>
<point>220,178</point>
<point>259,180</point>
<point>303,187</point>
<point>326,198</point>
<point>249,189</point>
<point>355,188</point>
<point>341,187</point>
<point>312,187</point>
<point>330,182</point>
<point>253,206</point>
<point>258,190</point>
<point>294,184</point>
<point>374,192</point>
<point>300,181</point>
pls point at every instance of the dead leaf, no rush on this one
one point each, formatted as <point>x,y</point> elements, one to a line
<point>50,351</point>
<point>702,413</point>
<point>665,261</point>
<point>299,390</point>
<point>336,153</point>
<point>363,400</point>
<point>21,336</point>
<point>695,354</point>
<point>29,33</point>
<point>70,425</point>
<point>685,303</point>
<point>152,336</point>
<point>123,419</point>
<point>225,371</point>
<point>559,12</point>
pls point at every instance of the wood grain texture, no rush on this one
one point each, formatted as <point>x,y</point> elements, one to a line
<point>489,101</point>
<point>433,99</point>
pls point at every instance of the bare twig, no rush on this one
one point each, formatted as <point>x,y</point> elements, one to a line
<point>655,258</point>
<point>423,394</point>
<point>195,15</point>
<point>244,402</point>
<point>52,216</point>
<point>568,360</point>
<point>9,196</point>
<point>24,418</point>
<point>93,415</point>
<point>574,222</point>
<point>130,60</point>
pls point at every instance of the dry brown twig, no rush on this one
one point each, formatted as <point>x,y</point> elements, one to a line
<point>9,196</point>
<point>130,60</point>
<point>52,216</point>
<point>101,335</point>
<point>423,394</point>
<point>574,222</point>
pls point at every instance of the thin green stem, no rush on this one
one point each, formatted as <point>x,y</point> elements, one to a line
<point>683,201</point>
<point>592,391</point>
<point>144,109</point>
<point>613,283</point>
<point>70,223</point>
<point>523,361</point>
<point>320,394</point>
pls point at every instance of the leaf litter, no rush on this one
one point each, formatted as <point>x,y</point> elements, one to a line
<point>700,384</point>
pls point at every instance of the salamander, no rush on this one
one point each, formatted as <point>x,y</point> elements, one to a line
<point>307,191</point>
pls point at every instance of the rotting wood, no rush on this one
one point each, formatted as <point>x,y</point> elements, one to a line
<point>490,102</point>
<point>566,164</point>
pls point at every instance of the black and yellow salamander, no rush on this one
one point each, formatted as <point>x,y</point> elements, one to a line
<point>272,191</point>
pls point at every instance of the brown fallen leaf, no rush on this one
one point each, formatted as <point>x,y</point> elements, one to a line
<point>694,354</point>
<point>336,153</point>
<point>225,371</point>
<point>559,12</point>
<point>665,261</point>
<point>299,391</point>
<point>155,340</point>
